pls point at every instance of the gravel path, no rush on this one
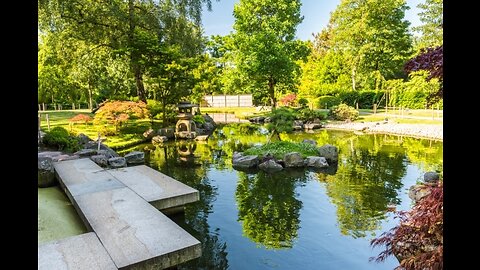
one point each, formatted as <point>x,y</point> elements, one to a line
<point>415,130</point>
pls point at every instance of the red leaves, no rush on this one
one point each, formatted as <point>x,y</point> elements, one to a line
<point>80,118</point>
<point>418,241</point>
<point>289,99</point>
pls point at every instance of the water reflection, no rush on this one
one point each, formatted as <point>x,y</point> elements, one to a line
<point>365,182</point>
<point>178,160</point>
<point>268,208</point>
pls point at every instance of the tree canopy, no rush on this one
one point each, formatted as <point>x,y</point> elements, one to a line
<point>264,42</point>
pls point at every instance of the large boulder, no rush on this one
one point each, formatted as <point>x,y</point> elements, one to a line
<point>86,152</point>
<point>201,138</point>
<point>312,142</point>
<point>208,119</point>
<point>83,139</point>
<point>270,166</point>
<point>149,134</point>
<point>431,177</point>
<point>417,192</point>
<point>167,132</point>
<point>328,151</point>
<point>107,153</point>
<point>101,160</point>
<point>297,124</point>
<point>312,126</point>
<point>257,119</point>
<point>135,157</point>
<point>208,126</point>
<point>46,174</point>
<point>159,139</point>
<point>316,162</point>
<point>117,162</point>
<point>244,162</point>
<point>293,159</point>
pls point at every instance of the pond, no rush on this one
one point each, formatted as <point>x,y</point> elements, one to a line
<point>294,219</point>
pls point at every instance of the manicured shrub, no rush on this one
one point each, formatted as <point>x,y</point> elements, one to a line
<point>59,138</point>
<point>344,112</point>
<point>366,99</point>
<point>199,119</point>
<point>84,118</point>
<point>326,102</point>
<point>303,102</point>
<point>350,98</point>
<point>307,114</point>
<point>117,113</point>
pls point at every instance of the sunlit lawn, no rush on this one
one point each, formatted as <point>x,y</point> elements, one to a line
<point>129,134</point>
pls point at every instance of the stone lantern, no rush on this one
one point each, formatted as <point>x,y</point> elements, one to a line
<point>185,127</point>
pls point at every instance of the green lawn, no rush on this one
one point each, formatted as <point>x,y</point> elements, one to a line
<point>129,135</point>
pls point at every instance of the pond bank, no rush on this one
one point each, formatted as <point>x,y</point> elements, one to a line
<point>429,131</point>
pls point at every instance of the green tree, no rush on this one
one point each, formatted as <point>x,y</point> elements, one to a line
<point>431,29</point>
<point>122,26</point>
<point>264,42</point>
<point>373,36</point>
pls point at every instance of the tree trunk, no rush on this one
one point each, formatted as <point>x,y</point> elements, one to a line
<point>139,81</point>
<point>275,135</point>
<point>271,91</point>
<point>134,55</point>
<point>90,101</point>
<point>164,113</point>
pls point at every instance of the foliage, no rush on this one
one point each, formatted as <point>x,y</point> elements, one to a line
<point>366,99</point>
<point>288,99</point>
<point>264,43</point>
<point>281,121</point>
<point>326,102</point>
<point>199,119</point>
<point>307,114</point>
<point>303,102</point>
<point>117,112</point>
<point>430,59</point>
<point>127,29</point>
<point>344,112</point>
<point>59,137</point>
<point>432,24</point>
<point>154,108</point>
<point>412,94</point>
<point>81,118</point>
<point>373,37</point>
<point>278,149</point>
<point>418,239</point>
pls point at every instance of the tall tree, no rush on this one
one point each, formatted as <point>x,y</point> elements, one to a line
<point>431,29</point>
<point>121,25</point>
<point>374,37</point>
<point>264,42</point>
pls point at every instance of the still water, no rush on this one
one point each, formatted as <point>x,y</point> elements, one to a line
<point>294,219</point>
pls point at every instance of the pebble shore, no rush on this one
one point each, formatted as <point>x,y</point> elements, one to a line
<point>385,127</point>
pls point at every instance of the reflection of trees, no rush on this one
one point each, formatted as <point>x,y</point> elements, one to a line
<point>167,160</point>
<point>367,181</point>
<point>268,207</point>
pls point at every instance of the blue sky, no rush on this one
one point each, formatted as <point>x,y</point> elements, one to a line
<point>316,15</point>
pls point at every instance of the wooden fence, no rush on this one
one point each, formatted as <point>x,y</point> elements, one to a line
<point>227,101</point>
